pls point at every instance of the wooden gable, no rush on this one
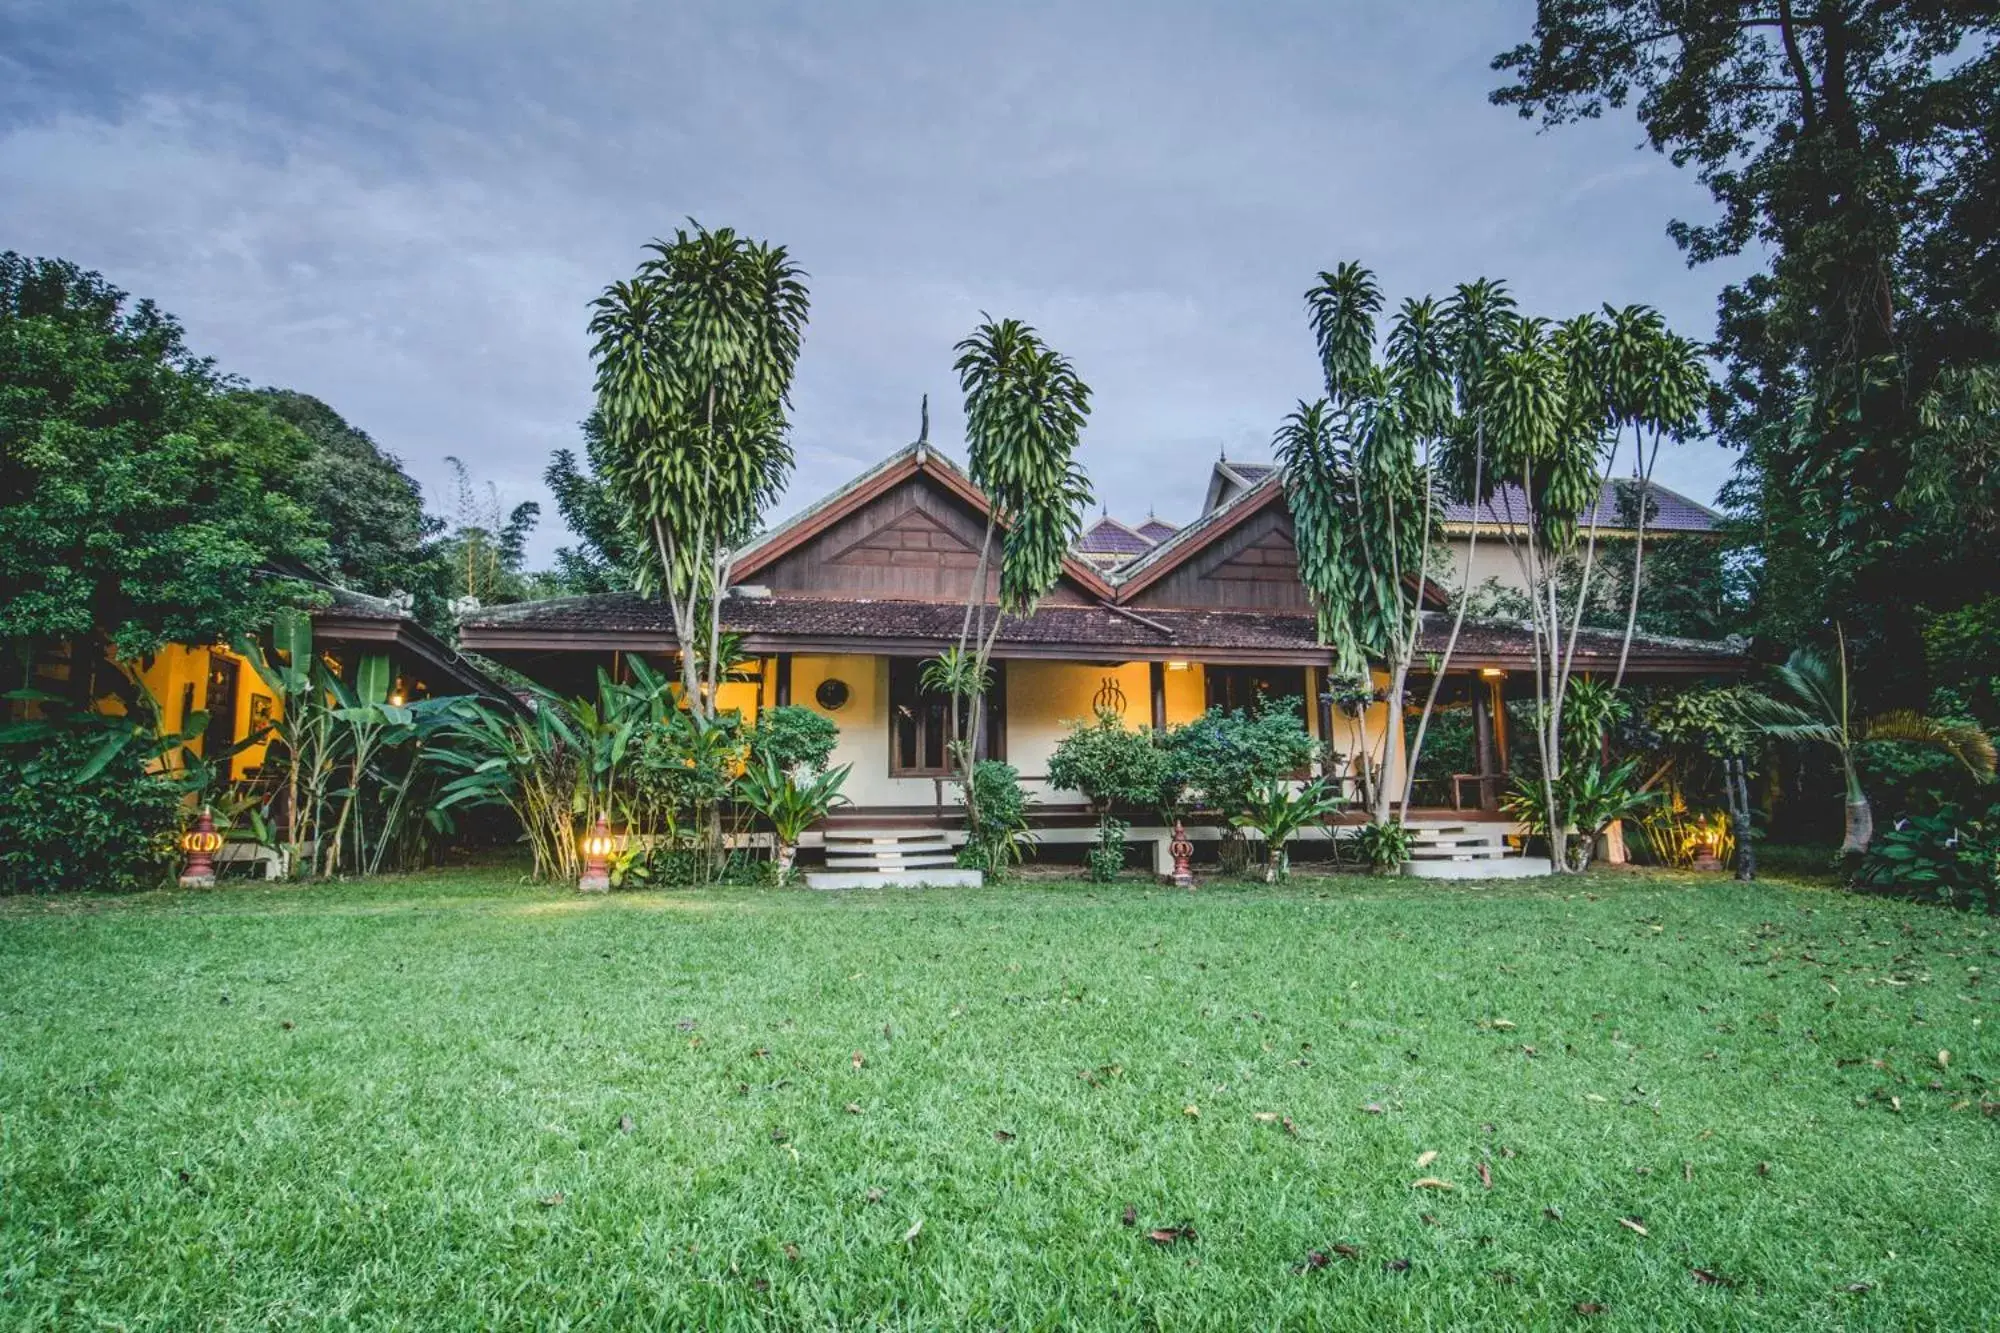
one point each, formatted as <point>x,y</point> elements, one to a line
<point>1249,565</point>
<point>916,538</point>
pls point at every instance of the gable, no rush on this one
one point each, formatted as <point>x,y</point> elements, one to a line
<point>1251,566</point>
<point>917,539</point>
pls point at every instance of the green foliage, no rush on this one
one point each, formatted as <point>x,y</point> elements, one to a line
<point>1277,812</point>
<point>138,499</point>
<point>74,817</point>
<point>1940,857</point>
<point>1105,862</point>
<point>997,836</point>
<point>606,555</point>
<point>1109,763</point>
<point>1963,647</point>
<point>1383,845</point>
<point>795,737</point>
<point>379,540</point>
<point>792,806</point>
<point>1220,758</point>
<point>1591,796</point>
<point>694,357</point>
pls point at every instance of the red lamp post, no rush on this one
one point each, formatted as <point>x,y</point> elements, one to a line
<point>201,843</point>
<point>1183,854</point>
<point>597,849</point>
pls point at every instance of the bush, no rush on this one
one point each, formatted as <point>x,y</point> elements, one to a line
<point>999,837</point>
<point>1224,756</point>
<point>1106,861</point>
<point>114,830</point>
<point>1384,846</point>
<point>1940,857</point>
<point>795,737</point>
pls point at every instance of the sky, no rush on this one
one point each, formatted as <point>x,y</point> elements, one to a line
<point>405,207</point>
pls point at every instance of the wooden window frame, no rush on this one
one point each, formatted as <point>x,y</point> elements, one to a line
<point>904,673</point>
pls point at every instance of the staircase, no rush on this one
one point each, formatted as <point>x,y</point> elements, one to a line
<point>1467,851</point>
<point>886,857</point>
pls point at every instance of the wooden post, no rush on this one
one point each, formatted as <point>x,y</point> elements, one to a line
<point>784,686</point>
<point>1482,738</point>
<point>1157,673</point>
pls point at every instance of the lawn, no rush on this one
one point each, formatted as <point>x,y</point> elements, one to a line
<point>461,1101</point>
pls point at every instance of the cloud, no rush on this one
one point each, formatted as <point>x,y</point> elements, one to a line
<point>404,208</point>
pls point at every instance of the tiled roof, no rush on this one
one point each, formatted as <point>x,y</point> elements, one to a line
<point>925,625</point>
<point>1107,536</point>
<point>1253,472</point>
<point>1669,511</point>
<point>1157,530</point>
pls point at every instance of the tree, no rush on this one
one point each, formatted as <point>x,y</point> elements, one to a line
<point>379,540</point>
<point>1361,499</point>
<point>1025,407</point>
<point>486,546</point>
<point>139,501</point>
<point>694,356</point>
<point>1851,142</point>
<point>1821,711</point>
<point>605,557</point>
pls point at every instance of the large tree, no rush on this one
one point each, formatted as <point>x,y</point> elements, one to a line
<point>1851,142</point>
<point>605,556</point>
<point>694,355</point>
<point>139,499</point>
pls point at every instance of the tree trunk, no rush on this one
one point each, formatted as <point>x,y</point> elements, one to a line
<point>1274,864</point>
<point>1860,827</point>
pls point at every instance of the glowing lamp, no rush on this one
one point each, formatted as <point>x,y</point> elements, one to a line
<point>598,845</point>
<point>200,843</point>
<point>1707,850</point>
<point>1492,673</point>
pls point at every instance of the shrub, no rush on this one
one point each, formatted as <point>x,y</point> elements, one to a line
<point>112,830</point>
<point>1106,860</point>
<point>1277,812</point>
<point>998,836</point>
<point>1940,857</point>
<point>1384,846</point>
<point>795,737</point>
<point>1219,759</point>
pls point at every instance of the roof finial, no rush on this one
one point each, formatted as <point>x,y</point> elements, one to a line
<point>1224,453</point>
<point>924,421</point>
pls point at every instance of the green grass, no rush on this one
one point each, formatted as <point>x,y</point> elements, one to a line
<point>399,1105</point>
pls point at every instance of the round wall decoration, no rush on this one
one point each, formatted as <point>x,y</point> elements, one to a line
<point>832,695</point>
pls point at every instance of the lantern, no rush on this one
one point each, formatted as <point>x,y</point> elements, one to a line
<point>1708,849</point>
<point>201,843</point>
<point>598,845</point>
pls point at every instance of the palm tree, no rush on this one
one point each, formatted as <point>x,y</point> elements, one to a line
<point>1025,408</point>
<point>1821,712</point>
<point>694,356</point>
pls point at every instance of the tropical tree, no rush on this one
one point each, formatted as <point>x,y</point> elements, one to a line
<point>792,802</point>
<point>1025,408</point>
<point>694,355</point>
<point>1275,811</point>
<point>1820,710</point>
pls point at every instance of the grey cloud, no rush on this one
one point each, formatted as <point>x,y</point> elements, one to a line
<point>406,207</point>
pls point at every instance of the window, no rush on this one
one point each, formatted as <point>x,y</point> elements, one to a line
<point>920,722</point>
<point>1234,687</point>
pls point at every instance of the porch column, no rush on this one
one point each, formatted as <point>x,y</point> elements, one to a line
<point>784,683</point>
<point>1156,673</point>
<point>1482,739</point>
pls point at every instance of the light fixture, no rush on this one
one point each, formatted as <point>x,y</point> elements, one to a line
<point>201,843</point>
<point>598,845</point>
<point>1492,673</point>
<point>1178,666</point>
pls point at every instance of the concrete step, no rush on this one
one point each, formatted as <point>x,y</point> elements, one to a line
<point>894,879</point>
<point>889,862</point>
<point>1511,867</point>
<point>1468,852</point>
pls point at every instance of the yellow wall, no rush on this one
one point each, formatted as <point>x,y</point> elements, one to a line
<point>167,674</point>
<point>864,727</point>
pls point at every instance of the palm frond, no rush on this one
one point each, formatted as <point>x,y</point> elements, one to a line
<point>1965,742</point>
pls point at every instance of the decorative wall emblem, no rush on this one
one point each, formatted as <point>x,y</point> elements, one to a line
<point>832,695</point>
<point>1110,697</point>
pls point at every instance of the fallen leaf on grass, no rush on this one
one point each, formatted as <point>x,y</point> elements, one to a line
<point>859,1059</point>
<point>626,1124</point>
<point>1291,1128</point>
<point>1503,1277</point>
<point>1944,1059</point>
<point>1432,1183</point>
<point>916,1229</point>
<point>1592,1097</point>
<point>1130,1217</point>
<point>1313,1259</point>
<point>1373,1108</point>
<point>1426,1157</point>
<point>552,1200</point>
<point>1553,1214</point>
<point>874,1196</point>
<point>854,1108</point>
<point>286,1025</point>
<point>1857,1288</point>
<point>1428,1219</point>
<point>1711,1279</point>
<point>1192,1111</point>
<point>1687,1171</point>
<point>1504,1025</point>
<point>1590,1307</point>
<point>1266,1117</point>
<point>791,1252</point>
<point>1486,1175</point>
<point>1763,1168</point>
<point>1347,1251</point>
<point>1171,1235</point>
<point>1003,1136</point>
<point>1633,1224</point>
<point>1395,1265</point>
